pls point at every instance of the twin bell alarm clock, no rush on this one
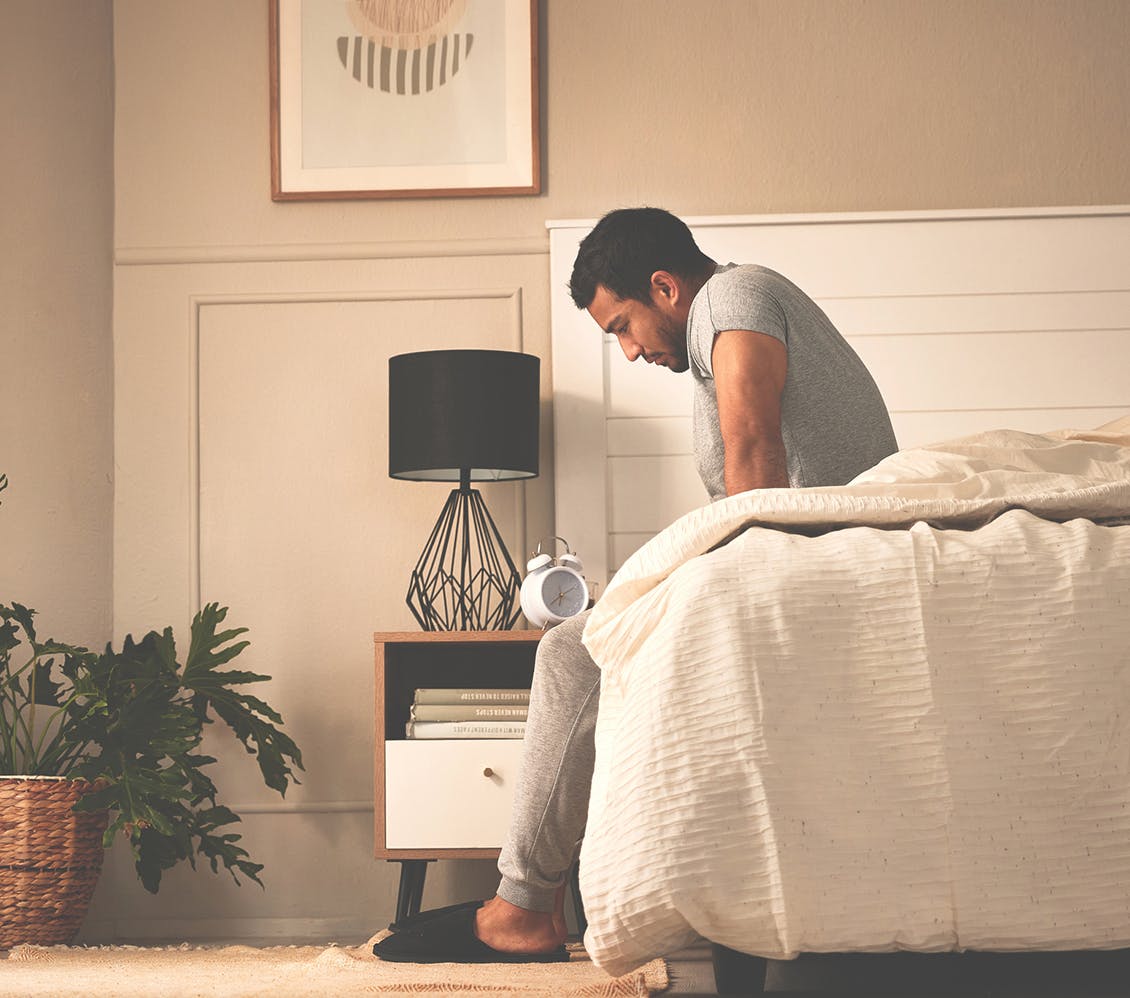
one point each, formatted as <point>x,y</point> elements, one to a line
<point>553,589</point>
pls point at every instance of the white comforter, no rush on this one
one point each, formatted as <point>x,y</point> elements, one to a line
<point>889,715</point>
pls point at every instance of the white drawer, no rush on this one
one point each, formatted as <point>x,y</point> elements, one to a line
<point>437,796</point>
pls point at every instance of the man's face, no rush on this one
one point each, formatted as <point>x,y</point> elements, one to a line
<point>657,332</point>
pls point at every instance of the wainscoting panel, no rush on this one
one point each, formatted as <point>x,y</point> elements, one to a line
<point>251,443</point>
<point>320,882</point>
<point>300,525</point>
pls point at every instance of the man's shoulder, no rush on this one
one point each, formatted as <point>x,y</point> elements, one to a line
<point>753,286</point>
<point>739,291</point>
<point>745,296</point>
<point>745,275</point>
<point>747,284</point>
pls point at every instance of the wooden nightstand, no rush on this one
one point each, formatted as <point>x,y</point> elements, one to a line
<point>442,799</point>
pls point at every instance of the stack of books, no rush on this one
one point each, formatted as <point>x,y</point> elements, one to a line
<point>468,713</point>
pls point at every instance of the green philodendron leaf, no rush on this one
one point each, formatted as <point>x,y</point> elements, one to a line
<point>205,651</point>
<point>98,800</point>
<point>23,616</point>
<point>214,817</point>
<point>157,849</point>
<point>131,721</point>
<point>8,636</point>
<point>271,746</point>
<point>232,677</point>
<point>153,657</point>
<point>253,703</point>
<point>240,711</point>
<point>222,848</point>
<point>154,853</point>
<point>42,689</point>
<point>53,647</point>
<point>200,786</point>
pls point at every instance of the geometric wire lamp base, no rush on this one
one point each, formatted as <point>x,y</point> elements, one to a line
<point>464,580</point>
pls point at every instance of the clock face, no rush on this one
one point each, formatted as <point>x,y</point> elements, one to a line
<point>563,593</point>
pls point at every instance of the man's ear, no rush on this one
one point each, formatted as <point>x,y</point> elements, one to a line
<point>664,287</point>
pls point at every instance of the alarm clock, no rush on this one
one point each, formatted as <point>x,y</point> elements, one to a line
<point>553,589</point>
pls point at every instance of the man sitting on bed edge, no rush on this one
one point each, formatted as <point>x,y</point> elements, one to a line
<point>780,400</point>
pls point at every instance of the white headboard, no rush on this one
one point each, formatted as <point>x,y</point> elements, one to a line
<point>967,320</point>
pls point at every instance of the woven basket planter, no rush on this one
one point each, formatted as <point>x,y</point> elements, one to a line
<point>50,859</point>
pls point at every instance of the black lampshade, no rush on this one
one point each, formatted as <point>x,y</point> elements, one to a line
<point>452,410</point>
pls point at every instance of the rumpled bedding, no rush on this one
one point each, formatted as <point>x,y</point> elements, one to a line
<point>889,715</point>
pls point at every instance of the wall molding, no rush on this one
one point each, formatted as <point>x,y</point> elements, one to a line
<point>199,302</point>
<point>858,217</point>
<point>305,807</point>
<point>292,930</point>
<point>142,256</point>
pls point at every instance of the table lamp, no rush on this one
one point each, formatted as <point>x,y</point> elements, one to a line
<point>463,416</point>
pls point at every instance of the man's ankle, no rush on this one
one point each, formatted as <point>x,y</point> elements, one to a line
<point>505,926</point>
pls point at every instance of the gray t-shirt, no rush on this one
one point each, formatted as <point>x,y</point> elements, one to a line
<point>833,419</point>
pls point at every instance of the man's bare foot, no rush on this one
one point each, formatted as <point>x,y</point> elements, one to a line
<point>510,929</point>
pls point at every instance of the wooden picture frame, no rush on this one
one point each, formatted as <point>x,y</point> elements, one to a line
<point>440,99</point>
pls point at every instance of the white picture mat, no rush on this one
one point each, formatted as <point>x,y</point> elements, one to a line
<point>517,139</point>
<point>346,120</point>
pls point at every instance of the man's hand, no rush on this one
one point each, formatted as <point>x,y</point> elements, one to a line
<point>749,379</point>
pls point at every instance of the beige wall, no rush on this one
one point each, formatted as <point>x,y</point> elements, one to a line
<point>715,106</point>
<point>56,239</point>
<point>702,106</point>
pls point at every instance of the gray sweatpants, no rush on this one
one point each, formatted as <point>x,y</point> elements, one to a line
<point>551,799</point>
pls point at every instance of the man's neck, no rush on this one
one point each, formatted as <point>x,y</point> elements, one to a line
<point>695,284</point>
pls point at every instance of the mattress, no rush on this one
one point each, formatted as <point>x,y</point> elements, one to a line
<point>888,715</point>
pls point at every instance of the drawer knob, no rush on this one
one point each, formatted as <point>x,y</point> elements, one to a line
<point>488,772</point>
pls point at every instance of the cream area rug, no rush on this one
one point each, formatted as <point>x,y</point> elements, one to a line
<point>298,972</point>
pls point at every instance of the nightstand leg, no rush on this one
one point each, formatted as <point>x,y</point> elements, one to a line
<point>411,893</point>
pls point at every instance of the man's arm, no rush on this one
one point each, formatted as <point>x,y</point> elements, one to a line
<point>749,378</point>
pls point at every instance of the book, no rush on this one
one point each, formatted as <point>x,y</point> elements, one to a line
<point>473,695</point>
<point>468,712</point>
<point>465,729</point>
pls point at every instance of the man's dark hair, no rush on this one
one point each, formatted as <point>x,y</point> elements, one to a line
<point>628,246</point>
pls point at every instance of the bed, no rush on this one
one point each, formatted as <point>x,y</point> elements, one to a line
<point>886,716</point>
<point>889,716</point>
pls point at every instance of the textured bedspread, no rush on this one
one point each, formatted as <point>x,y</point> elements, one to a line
<point>889,715</point>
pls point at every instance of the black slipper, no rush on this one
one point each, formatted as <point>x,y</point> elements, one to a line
<point>415,921</point>
<point>450,938</point>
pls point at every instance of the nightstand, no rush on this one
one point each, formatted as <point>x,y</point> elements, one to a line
<point>442,799</point>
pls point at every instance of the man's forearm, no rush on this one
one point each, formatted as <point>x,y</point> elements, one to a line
<point>756,465</point>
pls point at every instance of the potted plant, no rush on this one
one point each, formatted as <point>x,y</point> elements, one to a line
<point>97,744</point>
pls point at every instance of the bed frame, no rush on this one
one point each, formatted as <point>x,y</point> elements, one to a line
<point>968,320</point>
<point>970,974</point>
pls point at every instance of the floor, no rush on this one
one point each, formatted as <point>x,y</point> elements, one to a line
<point>906,975</point>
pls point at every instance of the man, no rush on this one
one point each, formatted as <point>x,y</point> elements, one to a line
<point>780,400</point>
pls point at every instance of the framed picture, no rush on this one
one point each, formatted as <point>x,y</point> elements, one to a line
<point>403,98</point>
